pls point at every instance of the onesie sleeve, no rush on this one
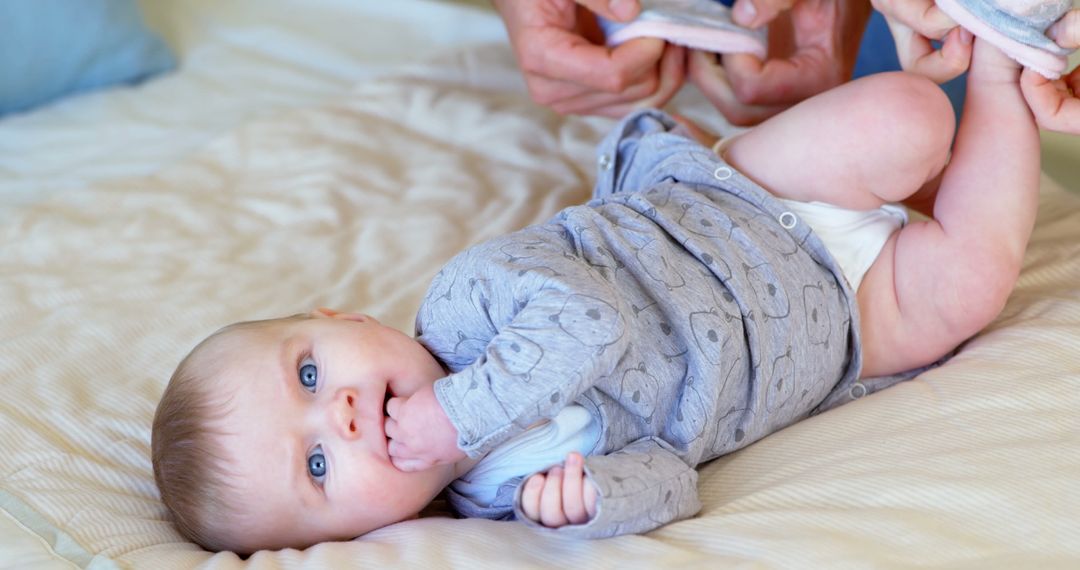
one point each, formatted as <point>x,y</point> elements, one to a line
<point>641,487</point>
<point>559,344</point>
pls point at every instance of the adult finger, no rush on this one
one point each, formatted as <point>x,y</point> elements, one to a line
<point>672,76</point>
<point>1054,103</point>
<point>547,92</point>
<point>922,16</point>
<point>593,103</point>
<point>757,13</point>
<point>551,513</point>
<point>653,92</point>
<point>573,492</point>
<point>618,10</point>
<point>530,497</point>
<point>917,54</point>
<point>571,97</point>
<point>777,81</point>
<point>1066,31</point>
<point>711,79</point>
<point>608,104</point>
<point>812,48</point>
<point>564,55</point>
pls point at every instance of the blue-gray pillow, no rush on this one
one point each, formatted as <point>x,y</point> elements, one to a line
<point>52,48</point>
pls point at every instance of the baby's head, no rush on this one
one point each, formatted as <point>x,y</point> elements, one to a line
<point>270,433</point>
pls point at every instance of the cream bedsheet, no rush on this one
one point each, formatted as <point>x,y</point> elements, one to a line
<point>111,271</point>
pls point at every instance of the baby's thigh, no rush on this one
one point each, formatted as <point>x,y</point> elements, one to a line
<point>874,140</point>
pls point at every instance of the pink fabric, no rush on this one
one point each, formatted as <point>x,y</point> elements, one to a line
<point>1033,10</point>
<point>703,38</point>
<point>1048,64</point>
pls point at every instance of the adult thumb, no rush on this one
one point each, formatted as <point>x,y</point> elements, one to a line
<point>1066,31</point>
<point>616,10</point>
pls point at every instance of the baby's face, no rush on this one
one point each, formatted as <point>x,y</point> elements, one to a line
<point>304,435</point>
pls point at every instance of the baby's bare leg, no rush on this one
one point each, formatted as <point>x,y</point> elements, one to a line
<point>874,140</point>
<point>937,283</point>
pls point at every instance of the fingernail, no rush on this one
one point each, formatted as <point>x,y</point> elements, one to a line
<point>623,9</point>
<point>966,37</point>
<point>744,13</point>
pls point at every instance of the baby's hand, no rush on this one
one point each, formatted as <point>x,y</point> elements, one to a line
<point>560,497</point>
<point>420,434</point>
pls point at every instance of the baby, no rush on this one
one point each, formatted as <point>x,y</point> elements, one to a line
<point>573,374</point>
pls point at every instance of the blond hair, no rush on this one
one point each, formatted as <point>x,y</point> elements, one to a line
<point>185,450</point>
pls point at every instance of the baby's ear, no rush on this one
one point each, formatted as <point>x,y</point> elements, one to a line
<point>323,312</point>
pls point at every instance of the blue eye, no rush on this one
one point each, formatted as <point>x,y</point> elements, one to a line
<point>309,375</point>
<point>316,464</point>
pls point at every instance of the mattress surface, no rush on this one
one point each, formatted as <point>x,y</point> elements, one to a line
<point>116,261</point>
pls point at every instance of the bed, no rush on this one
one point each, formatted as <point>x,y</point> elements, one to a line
<point>336,153</point>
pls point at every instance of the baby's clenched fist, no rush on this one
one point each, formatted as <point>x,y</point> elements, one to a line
<point>419,435</point>
<point>562,496</point>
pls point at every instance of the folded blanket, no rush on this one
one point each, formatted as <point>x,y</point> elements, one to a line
<point>1017,27</point>
<point>700,24</point>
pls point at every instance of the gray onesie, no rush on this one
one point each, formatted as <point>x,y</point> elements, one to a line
<point>683,307</point>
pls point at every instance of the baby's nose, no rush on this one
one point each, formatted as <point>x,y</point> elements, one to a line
<point>343,413</point>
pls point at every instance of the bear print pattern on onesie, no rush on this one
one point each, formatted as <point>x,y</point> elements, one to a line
<point>678,310</point>
<point>631,318</point>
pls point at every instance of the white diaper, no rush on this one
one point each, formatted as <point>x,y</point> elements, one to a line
<point>853,237</point>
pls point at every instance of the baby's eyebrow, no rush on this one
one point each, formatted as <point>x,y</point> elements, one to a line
<point>288,361</point>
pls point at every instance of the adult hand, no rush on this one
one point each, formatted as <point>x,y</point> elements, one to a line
<point>560,49</point>
<point>420,434</point>
<point>812,47</point>
<point>1056,103</point>
<point>914,23</point>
